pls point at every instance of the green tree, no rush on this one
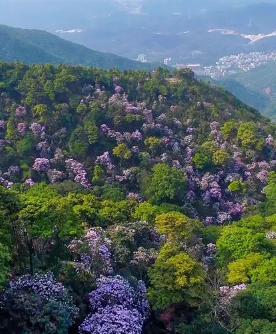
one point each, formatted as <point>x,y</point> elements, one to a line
<point>98,175</point>
<point>247,134</point>
<point>221,158</point>
<point>78,143</point>
<point>238,242</point>
<point>165,184</point>
<point>47,217</point>
<point>146,211</point>
<point>5,258</point>
<point>240,271</point>
<point>82,109</point>
<point>258,326</point>
<point>202,160</point>
<point>175,277</point>
<point>237,186</point>
<point>177,227</point>
<point>152,143</point>
<point>229,129</point>
<point>122,151</point>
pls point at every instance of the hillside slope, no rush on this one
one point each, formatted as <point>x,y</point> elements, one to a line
<point>37,46</point>
<point>155,191</point>
<point>80,106</point>
<point>256,88</point>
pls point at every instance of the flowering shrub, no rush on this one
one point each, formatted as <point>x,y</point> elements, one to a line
<point>28,301</point>
<point>118,307</point>
<point>92,255</point>
<point>41,165</point>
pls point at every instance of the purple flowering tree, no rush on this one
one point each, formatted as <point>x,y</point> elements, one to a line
<point>21,128</point>
<point>92,254</point>
<point>41,165</point>
<point>78,172</point>
<point>20,111</point>
<point>38,304</point>
<point>117,307</point>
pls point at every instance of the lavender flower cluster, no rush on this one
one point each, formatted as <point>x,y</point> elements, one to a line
<point>92,253</point>
<point>41,165</point>
<point>42,299</point>
<point>44,286</point>
<point>78,171</point>
<point>117,307</point>
<point>7,177</point>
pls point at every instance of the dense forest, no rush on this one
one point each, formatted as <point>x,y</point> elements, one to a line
<point>133,202</point>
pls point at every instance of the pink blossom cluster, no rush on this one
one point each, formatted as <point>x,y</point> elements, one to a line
<point>78,171</point>
<point>105,160</point>
<point>41,165</point>
<point>37,129</point>
<point>21,128</point>
<point>20,111</point>
<point>229,292</point>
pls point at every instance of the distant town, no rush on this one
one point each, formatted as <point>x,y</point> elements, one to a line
<point>243,62</point>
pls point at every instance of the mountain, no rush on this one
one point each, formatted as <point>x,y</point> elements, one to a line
<point>133,202</point>
<point>86,112</point>
<point>157,28</point>
<point>36,46</point>
<point>256,88</point>
<point>181,31</point>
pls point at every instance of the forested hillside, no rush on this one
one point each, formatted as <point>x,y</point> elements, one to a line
<point>32,46</point>
<point>256,88</point>
<point>133,202</point>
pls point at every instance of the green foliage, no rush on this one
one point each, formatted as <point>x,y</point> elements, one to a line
<point>115,212</point>
<point>122,151</point>
<point>175,277</point>
<point>25,146</point>
<point>92,132</point>
<point>202,161</point>
<point>98,175</point>
<point>45,214</point>
<point>5,258</point>
<point>229,129</point>
<point>152,143</point>
<point>221,158</point>
<point>82,109</point>
<point>259,326</point>
<point>237,186</point>
<point>112,193</point>
<point>257,223</point>
<point>247,134</point>
<point>238,242</point>
<point>165,184</point>
<point>78,144</point>
<point>40,111</point>
<point>146,212</point>
<point>177,227</point>
<point>242,270</point>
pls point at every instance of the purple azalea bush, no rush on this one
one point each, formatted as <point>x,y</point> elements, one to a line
<point>117,307</point>
<point>38,304</point>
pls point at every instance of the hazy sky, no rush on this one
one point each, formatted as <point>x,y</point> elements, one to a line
<point>68,14</point>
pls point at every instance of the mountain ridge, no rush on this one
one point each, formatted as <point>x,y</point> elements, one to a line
<point>38,46</point>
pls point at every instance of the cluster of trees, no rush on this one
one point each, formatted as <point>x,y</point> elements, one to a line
<point>133,202</point>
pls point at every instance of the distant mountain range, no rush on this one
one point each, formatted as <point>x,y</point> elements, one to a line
<point>37,46</point>
<point>176,29</point>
